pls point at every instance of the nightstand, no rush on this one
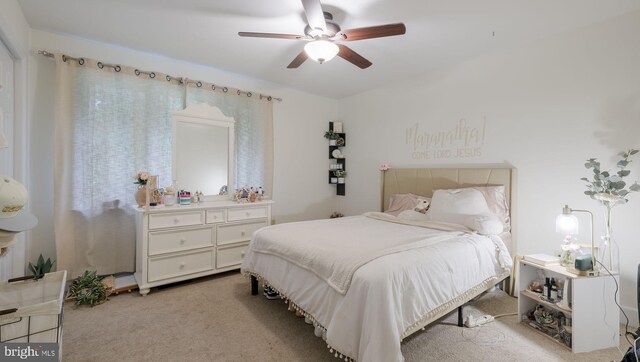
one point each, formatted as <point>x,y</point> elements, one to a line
<point>592,319</point>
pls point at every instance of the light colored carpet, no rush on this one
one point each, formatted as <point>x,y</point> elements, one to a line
<point>216,319</point>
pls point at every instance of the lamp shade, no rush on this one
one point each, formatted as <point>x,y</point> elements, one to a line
<point>567,224</point>
<point>321,50</point>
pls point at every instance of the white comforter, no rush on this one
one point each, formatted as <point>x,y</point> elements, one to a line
<point>389,295</point>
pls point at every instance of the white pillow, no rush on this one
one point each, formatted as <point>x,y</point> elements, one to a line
<point>484,224</point>
<point>458,201</point>
<point>466,207</point>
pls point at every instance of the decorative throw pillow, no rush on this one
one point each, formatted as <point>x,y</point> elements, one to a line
<point>484,224</point>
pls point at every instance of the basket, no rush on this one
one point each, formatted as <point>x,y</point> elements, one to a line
<point>31,310</point>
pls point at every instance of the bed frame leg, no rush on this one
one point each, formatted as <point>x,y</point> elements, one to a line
<point>254,285</point>
<point>460,316</point>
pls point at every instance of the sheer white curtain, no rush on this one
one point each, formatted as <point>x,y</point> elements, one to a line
<point>254,133</point>
<point>110,125</point>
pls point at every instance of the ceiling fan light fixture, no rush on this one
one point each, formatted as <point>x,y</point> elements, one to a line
<point>321,50</point>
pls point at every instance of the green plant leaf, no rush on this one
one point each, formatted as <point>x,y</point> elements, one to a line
<point>632,152</point>
<point>33,270</point>
<point>584,179</point>
<point>634,187</point>
<point>622,163</point>
<point>605,173</point>
<point>47,266</point>
<point>589,193</point>
<point>618,185</point>
<point>624,173</point>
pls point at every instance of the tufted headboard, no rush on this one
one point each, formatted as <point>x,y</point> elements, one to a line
<point>424,180</point>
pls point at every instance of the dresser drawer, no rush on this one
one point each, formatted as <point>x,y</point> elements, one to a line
<point>230,256</point>
<point>247,213</point>
<point>158,221</point>
<point>214,216</point>
<point>175,266</point>
<point>235,233</point>
<point>161,242</point>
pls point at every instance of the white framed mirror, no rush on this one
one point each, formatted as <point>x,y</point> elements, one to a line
<point>203,151</point>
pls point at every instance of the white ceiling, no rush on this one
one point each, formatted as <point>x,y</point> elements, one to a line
<point>439,32</point>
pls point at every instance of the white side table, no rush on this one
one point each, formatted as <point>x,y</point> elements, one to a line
<point>593,314</point>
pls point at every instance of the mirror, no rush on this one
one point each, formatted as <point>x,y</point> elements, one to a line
<point>203,150</point>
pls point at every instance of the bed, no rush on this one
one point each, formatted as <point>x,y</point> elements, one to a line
<point>367,282</point>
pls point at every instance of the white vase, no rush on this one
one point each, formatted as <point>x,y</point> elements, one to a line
<point>608,250</point>
<point>141,195</point>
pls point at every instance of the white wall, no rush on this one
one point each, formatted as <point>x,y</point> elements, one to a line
<point>548,107</point>
<point>300,191</point>
<point>14,34</point>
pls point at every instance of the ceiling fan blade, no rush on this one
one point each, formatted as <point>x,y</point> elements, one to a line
<point>270,35</point>
<point>374,32</point>
<point>314,14</point>
<point>349,55</point>
<point>298,60</point>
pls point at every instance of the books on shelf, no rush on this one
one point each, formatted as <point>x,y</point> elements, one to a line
<point>542,259</point>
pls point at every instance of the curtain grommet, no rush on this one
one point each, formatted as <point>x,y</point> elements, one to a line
<point>100,65</point>
<point>249,94</point>
<point>152,75</point>
<point>198,84</point>
<point>269,98</point>
<point>137,72</point>
<point>225,89</point>
<point>168,77</point>
<point>81,61</point>
<point>213,87</point>
<point>117,68</point>
<point>64,58</point>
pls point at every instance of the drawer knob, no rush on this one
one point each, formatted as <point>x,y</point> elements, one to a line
<point>248,213</point>
<point>242,232</point>
<point>182,265</point>
<point>182,240</point>
<point>176,220</point>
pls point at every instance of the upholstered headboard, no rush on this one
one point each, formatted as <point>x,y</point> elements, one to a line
<point>423,181</point>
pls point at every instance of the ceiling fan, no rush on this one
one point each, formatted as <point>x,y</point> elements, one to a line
<point>322,33</point>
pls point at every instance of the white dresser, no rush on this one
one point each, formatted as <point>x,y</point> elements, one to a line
<point>181,242</point>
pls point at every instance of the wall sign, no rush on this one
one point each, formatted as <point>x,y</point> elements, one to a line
<point>462,139</point>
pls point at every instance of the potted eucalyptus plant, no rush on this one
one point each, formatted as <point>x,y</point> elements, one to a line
<point>610,189</point>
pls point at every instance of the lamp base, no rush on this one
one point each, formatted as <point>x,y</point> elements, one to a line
<point>583,273</point>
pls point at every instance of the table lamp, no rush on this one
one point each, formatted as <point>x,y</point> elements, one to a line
<point>568,224</point>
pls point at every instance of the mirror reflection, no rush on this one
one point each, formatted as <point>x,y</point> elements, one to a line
<point>202,150</point>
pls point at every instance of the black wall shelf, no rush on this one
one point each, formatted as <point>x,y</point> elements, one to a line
<point>341,161</point>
